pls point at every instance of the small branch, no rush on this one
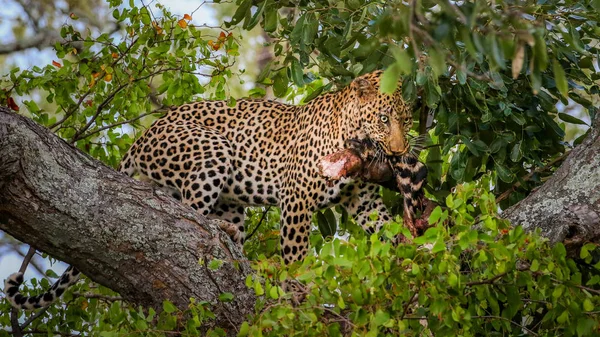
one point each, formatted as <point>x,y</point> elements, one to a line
<point>259,223</point>
<point>15,247</point>
<point>27,259</point>
<point>44,39</point>
<point>423,114</point>
<point>508,320</point>
<point>597,292</point>
<point>34,317</point>
<point>17,330</point>
<point>493,279</point>
<point>99,296</point>
<point>411,28</point>
<point>411,301</point>
<point>45,332</point>
<point>108,99</point>
<point>160,110</point>
<point>14,323</point>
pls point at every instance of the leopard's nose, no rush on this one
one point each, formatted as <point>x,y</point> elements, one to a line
<point>397,146</point>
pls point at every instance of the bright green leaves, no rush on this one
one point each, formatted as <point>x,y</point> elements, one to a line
<point>478,276</point>
<point>91,93</point>
<point>168,307</point>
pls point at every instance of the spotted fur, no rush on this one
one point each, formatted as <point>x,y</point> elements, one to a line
<point>219,159</point>
<point>17,300</point>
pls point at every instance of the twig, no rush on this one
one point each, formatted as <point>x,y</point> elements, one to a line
<point>15,247</point>
<point>34,317</point>
<point>159,110</point>
<point>259,223</point>
<point>492,279</point>
<point>597,292</point>
<point>99,296</point>
<point>108,99</point>
<point>411,301</point>
<point>17,331</point>
<point>510,321</point>
<point>423,119</point>
<point>411,28</point>
<point>45,332</point>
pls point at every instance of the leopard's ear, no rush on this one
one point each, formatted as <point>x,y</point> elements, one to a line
<point>363,87</point>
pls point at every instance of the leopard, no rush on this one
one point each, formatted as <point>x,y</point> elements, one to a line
<point>220,158</point>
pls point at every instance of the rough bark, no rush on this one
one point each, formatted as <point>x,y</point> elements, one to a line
<point>117,231</point>
<point>567,207</point>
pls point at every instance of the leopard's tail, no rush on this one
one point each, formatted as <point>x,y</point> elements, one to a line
<point>68,278</point>
<point>17,300</point>
<point>411,176</point>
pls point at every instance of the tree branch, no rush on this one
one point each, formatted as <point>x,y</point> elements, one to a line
<point>43,39</point>
<point>567,207</point>
<point>116,230</point>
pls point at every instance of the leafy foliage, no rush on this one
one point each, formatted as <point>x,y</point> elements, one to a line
<point>479,276</point>
<point>486,79</point>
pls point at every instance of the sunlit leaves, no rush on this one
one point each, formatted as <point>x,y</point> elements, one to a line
<point>477,276</point>
<point>98,88</point>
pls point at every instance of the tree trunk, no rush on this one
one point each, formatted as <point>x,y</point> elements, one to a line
<point>567,207</point>
<point>116,230</point>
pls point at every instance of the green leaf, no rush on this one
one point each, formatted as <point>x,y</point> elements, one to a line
<point>169,307</point>
<point>503,173</point>
<point>416,270</point>
<point>381,317</point>
<point>535,265</point>
<point>515,153</point>
<point>437,61</point>
<point>570,119</point>
<point>280,83</point>
<point>145,16</point>
<point>403,61</point>
<point>258,288</point>
<point>313,94</point>
<point>244,329</point>
<point>240,12</point>
<point>539,52</point>
<point>271,18</point>
<point>562,319</point>
<point>560,79</point>
<point>249,24</point>
<point>309,29</point>
<point>215,264</point>
<point>435,215</point>
<point>588,305</point>
<point>390,78</point>
<point>226,297</point>
<point>297,73</point>
<point>274,293</point>
<point>326,228</point>
<point>438,246</point>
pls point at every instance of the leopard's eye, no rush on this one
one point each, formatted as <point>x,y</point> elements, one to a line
<point>384,118</point>
<point>407,120</point>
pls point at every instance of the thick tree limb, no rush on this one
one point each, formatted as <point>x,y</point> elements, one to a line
<point>40,40</point>
<point>116,230</point>
<point>567,207</point>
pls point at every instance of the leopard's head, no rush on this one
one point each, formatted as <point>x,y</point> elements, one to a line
<point>386,119</point>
